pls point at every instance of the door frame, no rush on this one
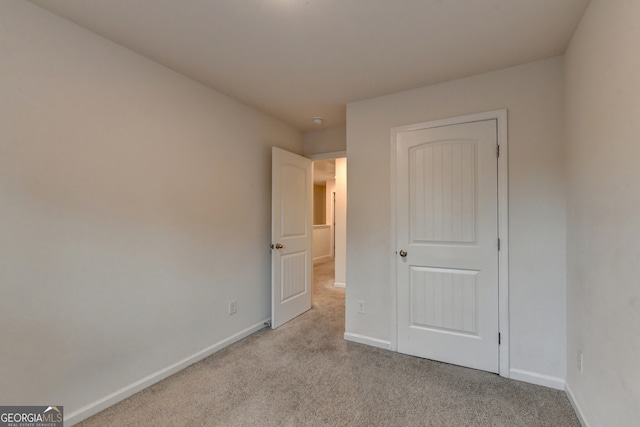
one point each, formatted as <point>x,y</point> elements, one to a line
<point>503,225</point>
<point>326,156</point>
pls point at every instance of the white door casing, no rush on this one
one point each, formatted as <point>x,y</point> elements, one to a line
<point>448,220</point>
<point>291,235</point>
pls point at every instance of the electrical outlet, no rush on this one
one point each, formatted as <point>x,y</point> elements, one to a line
<point>233,307</point>
<point>361,306</point>
<point>580,361</point>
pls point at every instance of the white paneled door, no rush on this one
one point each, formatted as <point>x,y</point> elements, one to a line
<point>447,243</point>
<point>291,234</point>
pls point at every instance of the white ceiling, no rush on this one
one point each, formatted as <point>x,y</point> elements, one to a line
<point>295,59</point>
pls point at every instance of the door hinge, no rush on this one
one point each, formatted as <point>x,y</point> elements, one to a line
<point>499,338</point>
<point>498,244</point>
<point>497,151</point>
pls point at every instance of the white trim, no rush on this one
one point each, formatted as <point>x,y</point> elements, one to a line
<point>503,225</point>
<point>119,395</point>
<point>537,378</point>
<point>340,285</point>
<point>393,271</point>
<point>503,235</point>
<point>363,339</point>
<point>576,406</point>
<point>326,156</point>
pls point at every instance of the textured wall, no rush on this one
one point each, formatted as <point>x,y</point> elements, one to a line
<point>329,140</point>
<point>134,204</point>
<point>603,234</point>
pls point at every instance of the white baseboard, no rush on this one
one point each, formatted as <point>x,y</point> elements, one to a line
<point>119,395</point>
<point>576,406</point>
<point>362,339</point>
<point>537,378</point>
<point>340,285</point>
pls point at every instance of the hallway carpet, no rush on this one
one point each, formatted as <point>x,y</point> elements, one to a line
<point>305,374</point>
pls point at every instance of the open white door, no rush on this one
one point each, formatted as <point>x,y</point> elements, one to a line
<point>291,231</point>
<point>447,242</point>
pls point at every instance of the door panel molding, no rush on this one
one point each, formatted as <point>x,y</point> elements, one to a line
<point>503,215</point>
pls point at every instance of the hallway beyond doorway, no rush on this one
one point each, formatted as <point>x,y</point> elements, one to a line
<point>323,284</point>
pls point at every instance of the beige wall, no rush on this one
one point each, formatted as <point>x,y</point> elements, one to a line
<point>603,240</point>
<point>341,223</point>
<point>135,205</point>
<point>321,245</point>
<point>324,141</point>
<point>319,204</point>
<point>532,93</point>
<point>331,187</point>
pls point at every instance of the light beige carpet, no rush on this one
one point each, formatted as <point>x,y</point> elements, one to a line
<point>305,374</point>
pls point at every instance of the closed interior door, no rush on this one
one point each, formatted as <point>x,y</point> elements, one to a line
<point>291,234</point>
<point>447,243</point>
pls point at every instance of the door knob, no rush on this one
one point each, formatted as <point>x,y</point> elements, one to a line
<point>403,253</point>
<point>276,246</point>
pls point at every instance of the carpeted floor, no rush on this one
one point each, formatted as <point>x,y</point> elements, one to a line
<point>305,374</point>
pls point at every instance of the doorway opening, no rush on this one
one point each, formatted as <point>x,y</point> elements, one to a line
<point>329,229</point>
